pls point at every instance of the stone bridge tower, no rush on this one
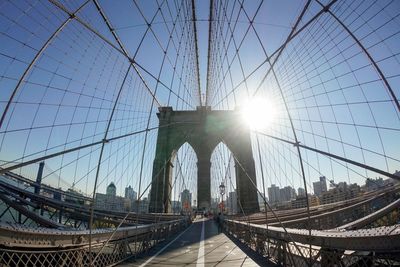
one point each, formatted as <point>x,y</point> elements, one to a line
<point>203,129</point>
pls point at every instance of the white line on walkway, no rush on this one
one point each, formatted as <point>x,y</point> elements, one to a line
<point>200,256</point>
<point>161,250</point>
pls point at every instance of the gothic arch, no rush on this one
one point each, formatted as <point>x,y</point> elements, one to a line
<point>203,129</point>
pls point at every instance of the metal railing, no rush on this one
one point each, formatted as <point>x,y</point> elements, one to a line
<point>25,246</point>
<point>291,247</point>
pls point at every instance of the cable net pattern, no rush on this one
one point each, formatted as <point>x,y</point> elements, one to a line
<point>81,82</point>
<point>331,78</point>
<point>69,85</point>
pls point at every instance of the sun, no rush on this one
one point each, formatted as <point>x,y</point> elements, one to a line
<point>259,113</point>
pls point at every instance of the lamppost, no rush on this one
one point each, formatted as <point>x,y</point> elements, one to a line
<point>222,192</point>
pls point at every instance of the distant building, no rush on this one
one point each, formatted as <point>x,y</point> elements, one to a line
<point>354,190</point>
<point>301,192</point>
<point>287,193</point>
<point>186,199</point>
<point>324,185</point>
<point>110,200</point>
<point>332,196</point>
<point>111,189</point>
<point>340,193</point>
<point>373,184</point>
<point>131,195</point>
<point>320,186</point>
<point>392,181</point>
<point>231,204</point>
<point>301,201</point>
<point>274,194</point>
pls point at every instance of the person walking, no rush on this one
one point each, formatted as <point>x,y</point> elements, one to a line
<point>220,221</point>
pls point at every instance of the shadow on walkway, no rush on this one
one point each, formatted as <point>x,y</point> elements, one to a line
<point>187,249</point>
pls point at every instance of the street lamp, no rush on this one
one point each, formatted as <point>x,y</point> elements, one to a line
<point>222,192</point>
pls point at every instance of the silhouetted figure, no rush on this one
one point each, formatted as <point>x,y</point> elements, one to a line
<point>220,221</point>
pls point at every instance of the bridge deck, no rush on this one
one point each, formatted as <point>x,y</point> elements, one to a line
<point>199,245</point>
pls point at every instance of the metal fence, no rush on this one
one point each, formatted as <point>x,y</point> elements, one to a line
<point>109,247</point>
<point>298,247</point>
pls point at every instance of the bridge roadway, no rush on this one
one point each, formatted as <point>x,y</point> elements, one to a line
<point>199,245</point>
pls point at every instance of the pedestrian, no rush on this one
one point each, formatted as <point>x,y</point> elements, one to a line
<point>220,221</point>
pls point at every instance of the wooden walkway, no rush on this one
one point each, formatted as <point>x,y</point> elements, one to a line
<point>199,245</point>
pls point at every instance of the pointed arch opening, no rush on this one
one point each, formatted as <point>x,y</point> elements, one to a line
<point>184,179</point>
<point>223,174</point>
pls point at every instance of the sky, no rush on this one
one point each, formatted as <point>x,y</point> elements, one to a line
<point>323,85</point>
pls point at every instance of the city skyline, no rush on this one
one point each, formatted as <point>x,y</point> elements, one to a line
<point>327,194</point>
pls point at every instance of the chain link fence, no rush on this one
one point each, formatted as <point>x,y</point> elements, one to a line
<point>296,247</point>
<point>100,254</point>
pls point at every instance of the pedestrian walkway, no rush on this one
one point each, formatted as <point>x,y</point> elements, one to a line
<point>199,245</point>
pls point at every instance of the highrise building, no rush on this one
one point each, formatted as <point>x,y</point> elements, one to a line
<point>274,194</point>
<point>130,193</point>
<point>131,196</point>
<point>287,193</point>
<point>320,186</point>
<point>232,203</point>
<point>301,192</point>
<point>111,190</point>
<point>324,186</point>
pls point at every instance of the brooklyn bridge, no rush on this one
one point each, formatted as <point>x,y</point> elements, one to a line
<point>199,133</point>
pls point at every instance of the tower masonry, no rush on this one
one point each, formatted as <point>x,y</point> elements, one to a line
<point>203,129</point>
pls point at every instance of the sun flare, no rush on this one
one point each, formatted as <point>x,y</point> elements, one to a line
<point>259,113</point>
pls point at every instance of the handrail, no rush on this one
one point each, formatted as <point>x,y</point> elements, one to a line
<point>381,239</point>
<point>17,235</point>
